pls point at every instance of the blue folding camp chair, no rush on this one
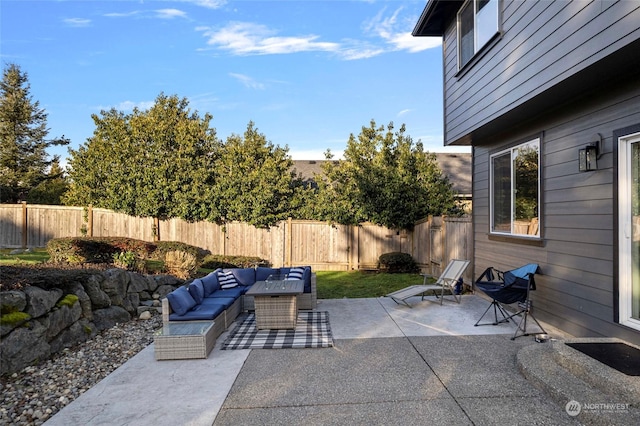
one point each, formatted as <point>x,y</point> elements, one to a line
<point>507,288</point>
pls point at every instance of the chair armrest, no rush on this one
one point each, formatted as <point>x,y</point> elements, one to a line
<point>166,310</point>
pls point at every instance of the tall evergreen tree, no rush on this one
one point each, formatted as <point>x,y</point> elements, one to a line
<point>255,183</point>
<point>24,161</point>
<point>154,163</point>
<point>384,178</point>
<point>50,190</point>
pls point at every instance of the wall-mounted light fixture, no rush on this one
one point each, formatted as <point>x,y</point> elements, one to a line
<point>588,156</point>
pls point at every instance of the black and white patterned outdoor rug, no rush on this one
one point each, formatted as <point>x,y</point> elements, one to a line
<point>312,331</point>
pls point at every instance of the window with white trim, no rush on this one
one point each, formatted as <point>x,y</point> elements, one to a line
<point>515,190</point>
<point>478,22</point>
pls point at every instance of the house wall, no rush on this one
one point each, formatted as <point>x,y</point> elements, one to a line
<point>543,44</point>
<point>575,290</point>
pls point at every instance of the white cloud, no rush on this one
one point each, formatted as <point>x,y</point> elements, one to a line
<point>209,4</point>
<point>170,13</point>
<point>396,32</point>
<point>403,112</point>
<point>122,15</point>
<point>354,50</point>
<point>247,81</point>
<point>390,33</point>
<point>244,38</point>
<point>77,22</point>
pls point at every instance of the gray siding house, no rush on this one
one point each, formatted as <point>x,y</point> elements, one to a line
<point>547,94</point>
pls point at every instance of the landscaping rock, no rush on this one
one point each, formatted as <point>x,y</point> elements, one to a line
<point>12,301</point>
<point>99,299</point>
<point>22,347</point>
<point>162,291</point>
<point>108,317</point>
<point>138,283</point>
<point>84,300</point>
<point>145,315</point>
<point>131,302</point>
<point>145,295</point>
<point>61,318</point>
<point>40,301</point>
<point>78,332</point>
<point>115,285</point>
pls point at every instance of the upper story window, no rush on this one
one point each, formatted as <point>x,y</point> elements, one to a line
<point>515,190</point>
<point>478,22</point>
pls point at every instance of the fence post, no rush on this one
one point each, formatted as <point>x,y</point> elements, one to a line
<point>288,253</point>
<point>223,239</point>
<point>156,224</point>
<point>356,246</point>
<point>90,220</point>
<point>25,226</point>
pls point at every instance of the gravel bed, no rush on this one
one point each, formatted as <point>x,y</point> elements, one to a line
<point>36,393</point>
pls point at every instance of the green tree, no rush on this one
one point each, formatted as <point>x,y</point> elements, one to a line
<point>255,183</point>
<point>386,179</point>
<point>24,161</point>
<point>154,163</point>
<point>50,190</point>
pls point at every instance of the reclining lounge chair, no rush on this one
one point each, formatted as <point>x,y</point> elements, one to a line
<point>447,280</point>
<point>507,288</point>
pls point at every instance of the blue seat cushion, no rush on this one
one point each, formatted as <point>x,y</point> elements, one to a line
<point>180,300</point>
<point>234,292</point>
<point>199,312</point>
<point>210,283</point>
<point>225,301</point>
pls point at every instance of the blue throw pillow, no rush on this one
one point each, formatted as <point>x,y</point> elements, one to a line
<point>244,276</point>
<point>180,300</point>
<point>196,290</point>
<point>295,274</point>
<point>227,280</point>
<point>210,283</point>
<point>262,273</point>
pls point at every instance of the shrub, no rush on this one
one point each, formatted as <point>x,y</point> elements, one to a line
<point>95,249</point>
<point>181,264</point>
<point>164,247</point>
<point>219,261</point>
<point>395,262</point>
<point>125,260</point>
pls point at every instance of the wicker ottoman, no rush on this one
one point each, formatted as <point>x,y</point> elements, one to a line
<point>184,340</point>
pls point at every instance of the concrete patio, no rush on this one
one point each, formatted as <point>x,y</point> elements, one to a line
<point>391,364</point>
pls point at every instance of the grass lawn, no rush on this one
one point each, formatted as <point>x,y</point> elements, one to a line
<point>331,284</point>
<point>355,284</point>
<point>39,255</point>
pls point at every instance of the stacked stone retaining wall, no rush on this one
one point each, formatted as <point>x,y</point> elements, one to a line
<point>36,322</point>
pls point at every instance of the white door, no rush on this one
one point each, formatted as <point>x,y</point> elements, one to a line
<point>629,229</point>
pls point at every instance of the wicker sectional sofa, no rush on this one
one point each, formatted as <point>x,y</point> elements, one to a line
<point>220,296</point>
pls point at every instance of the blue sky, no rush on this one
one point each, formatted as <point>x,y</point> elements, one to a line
<point>307,73</point>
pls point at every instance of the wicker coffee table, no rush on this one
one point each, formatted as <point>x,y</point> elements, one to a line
<point>184,340</point>
<point>276,303</point>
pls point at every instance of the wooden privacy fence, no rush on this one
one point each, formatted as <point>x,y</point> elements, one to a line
<point>432,243</point>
